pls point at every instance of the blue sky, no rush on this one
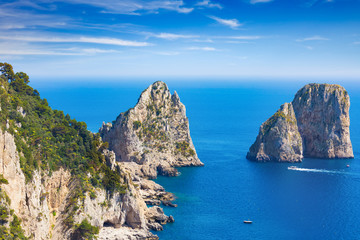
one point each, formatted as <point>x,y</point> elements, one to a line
<point>281,39</point>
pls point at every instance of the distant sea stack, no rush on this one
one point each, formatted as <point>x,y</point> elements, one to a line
<point>154,134</point>
<point>315,125</point>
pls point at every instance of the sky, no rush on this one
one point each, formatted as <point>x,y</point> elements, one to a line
<point>238,39</point>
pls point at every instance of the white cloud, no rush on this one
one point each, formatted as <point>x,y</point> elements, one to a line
<point>12,18</point>
<point>356,43</point>
<point>106,41</point>
<point>259,1</point>
<point>233,23</point>
<point>134,6</point>
<point>202,49</point>
<point>313,38</point>
<point>203,40</point>
<point>208,4</point>
<point>54,52</point>
<point>35,52</point>
<point>172,36</point>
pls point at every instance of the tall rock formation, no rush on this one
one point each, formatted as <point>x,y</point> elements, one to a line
<point>316,124</point>
<point>154,134</point>
<point>278,139</point>
<point>322,112</point>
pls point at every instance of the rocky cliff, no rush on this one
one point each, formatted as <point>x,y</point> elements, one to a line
<point>60,181</point>
<point>316,124</point>
<point>278,139</point>
<point>154,134</point>
<point>322,112</point>
<point>46,203</point>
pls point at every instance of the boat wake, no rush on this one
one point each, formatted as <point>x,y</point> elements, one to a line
<point>314,170</point>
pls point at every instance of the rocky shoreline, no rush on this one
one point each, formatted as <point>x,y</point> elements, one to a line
<point>150,139</point>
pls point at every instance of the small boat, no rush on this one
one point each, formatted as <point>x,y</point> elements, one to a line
<point>247,221</point>
<point>292,167</point>
<point>347,165</point>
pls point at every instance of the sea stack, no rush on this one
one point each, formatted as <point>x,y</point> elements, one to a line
<point>154,134</point>
<point>279,139</point>
<point>315,125</point>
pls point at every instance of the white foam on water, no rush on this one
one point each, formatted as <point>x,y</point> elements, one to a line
<point>316,170</point>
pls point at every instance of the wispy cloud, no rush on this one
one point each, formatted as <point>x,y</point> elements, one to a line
<point>171,36</point>
<point>107,41</point>
<point>203,40</point>
<point>260,1</point>
<point>202,49</point>
<point>233,23</point>
<point>356,43</point>
<point>313,38</point>
<point>134,7</point>
<point>12,18</point>
<point>208,4</point>
<point>26,51</point>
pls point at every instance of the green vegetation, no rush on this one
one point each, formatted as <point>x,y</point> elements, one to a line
<point>3,180</point>
<point>4,214</point>
<point>47,139</point>
<point>136,125</point>
<point>85,230</point>
<point>14,232</point>
<point>274,118</point>
<point>184,148</point>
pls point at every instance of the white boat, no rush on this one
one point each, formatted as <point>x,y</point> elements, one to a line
<point>292,167</point>
<point>247,221</point>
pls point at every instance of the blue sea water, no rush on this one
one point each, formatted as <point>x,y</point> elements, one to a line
<point>322,201</point>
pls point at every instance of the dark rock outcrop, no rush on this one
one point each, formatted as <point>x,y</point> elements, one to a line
<point>316,124</point>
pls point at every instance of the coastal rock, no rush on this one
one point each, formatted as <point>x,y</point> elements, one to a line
<point>156,218</point>
<point>322,113</point>
<point>154,134</point>
<point>42,202</point>
<point>316,125</point>
<point>279,139</point>
<point>125,233</point>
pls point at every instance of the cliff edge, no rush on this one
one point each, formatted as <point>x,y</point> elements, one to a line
<point>315,125</point>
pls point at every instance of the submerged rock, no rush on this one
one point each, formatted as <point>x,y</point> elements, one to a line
<point>316,124</point>
<point>278,139</point>
<point>154,134</point>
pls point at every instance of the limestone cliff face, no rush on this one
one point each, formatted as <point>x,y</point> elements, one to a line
<point>322,112</point>
<point>278,139</point>
<point>154,134</point>
<point>316,124</point>
<point>43,203</point>
<point>32,202</point>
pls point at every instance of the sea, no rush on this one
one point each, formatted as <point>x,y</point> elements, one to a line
<point>318,200</point>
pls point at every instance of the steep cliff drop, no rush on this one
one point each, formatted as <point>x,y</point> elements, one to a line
<point>316,125</point>
<point>154,134</point>
<point>60,181</point>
